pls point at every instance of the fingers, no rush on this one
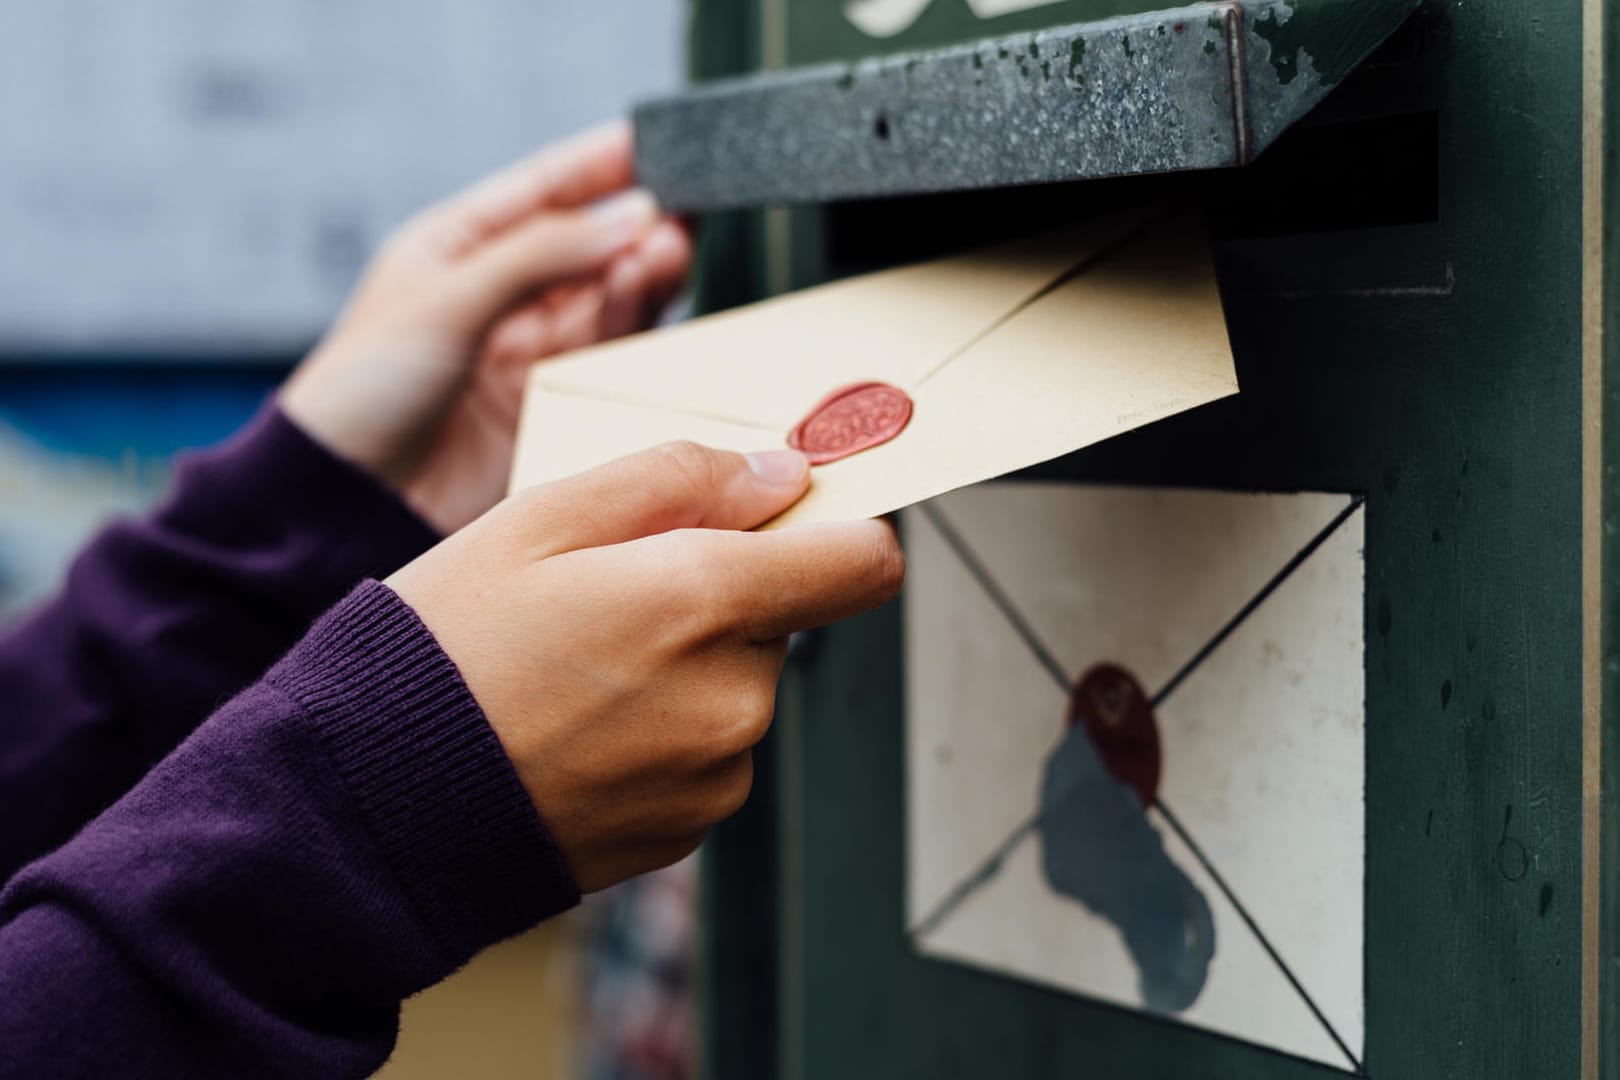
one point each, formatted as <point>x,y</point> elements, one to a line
<point>642,281</point>
<point>549,249</point>
<point>677,486</point>
<point>624,297</point>
<point>667,253</point>
<point>519,337</point>
<point>776,583</point>
<point>577,317</point>
<point>571,173</point>
<point>637,285</point>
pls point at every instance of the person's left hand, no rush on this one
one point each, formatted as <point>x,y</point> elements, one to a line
<point>421,380</point>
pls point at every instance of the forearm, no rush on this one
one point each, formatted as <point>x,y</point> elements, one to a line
<point>339,836</point>
<point>163,619</point>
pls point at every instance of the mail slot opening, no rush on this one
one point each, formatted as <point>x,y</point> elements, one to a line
<point>1328,177</point>
<point>1361,174</point>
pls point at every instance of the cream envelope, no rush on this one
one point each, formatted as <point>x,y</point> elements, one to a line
<point>1013,356</point>
<point>1243,614</point>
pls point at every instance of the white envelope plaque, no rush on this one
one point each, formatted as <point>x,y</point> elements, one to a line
<point>1134,747</point>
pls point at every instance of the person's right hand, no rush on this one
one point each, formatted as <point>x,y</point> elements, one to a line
<point>625,640</point>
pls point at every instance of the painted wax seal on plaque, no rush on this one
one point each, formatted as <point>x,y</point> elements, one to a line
<point>850,420</point>
<point>1115,711</point>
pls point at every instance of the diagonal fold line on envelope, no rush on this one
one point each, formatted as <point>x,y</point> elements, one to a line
<point>917,318</point>
<point>1086,262</point>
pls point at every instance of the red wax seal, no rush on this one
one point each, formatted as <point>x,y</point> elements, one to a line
<point>1116,713</point>
<point>850,420</point>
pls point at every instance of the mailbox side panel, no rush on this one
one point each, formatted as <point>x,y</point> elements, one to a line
<point>1605,954</point>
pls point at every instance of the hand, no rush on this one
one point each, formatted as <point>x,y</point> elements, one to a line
<point>626,650</point>
<point>421,380</point>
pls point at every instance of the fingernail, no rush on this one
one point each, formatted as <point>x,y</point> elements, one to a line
<point>779,468</point>
<point>628,214</point>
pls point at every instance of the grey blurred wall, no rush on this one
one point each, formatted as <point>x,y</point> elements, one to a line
<point>207,176</point>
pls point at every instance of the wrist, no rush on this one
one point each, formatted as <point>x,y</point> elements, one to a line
<point>375,395</point>
<point>323,402</point>
<point>436,790</point>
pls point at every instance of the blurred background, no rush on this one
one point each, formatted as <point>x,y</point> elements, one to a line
<point>188,190</point>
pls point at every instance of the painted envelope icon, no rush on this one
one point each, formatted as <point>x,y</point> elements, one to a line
<point>1135,765</point>
<point>1011,356</point>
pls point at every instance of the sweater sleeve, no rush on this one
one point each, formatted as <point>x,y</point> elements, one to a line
<point>163,619</point>
<point>342,834</point>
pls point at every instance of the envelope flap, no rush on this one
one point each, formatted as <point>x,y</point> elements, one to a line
<point>767,364</point>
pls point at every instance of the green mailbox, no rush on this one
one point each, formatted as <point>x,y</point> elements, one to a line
<point>1346,637</point>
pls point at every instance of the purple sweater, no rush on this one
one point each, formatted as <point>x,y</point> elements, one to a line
<point>253,896</point>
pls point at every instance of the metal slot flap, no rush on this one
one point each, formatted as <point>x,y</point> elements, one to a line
<point>1200,87</point>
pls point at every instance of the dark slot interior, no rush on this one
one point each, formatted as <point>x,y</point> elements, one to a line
<point>1363,174</point>
<point>1360,174</point>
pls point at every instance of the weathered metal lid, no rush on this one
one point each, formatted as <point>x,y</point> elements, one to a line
<point>1206,86</point>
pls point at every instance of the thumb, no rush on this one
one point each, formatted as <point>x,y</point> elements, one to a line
<point>554,246</point>
<point>679,485</point>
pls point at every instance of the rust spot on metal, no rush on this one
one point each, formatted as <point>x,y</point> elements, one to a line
<point>1240,82</point>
